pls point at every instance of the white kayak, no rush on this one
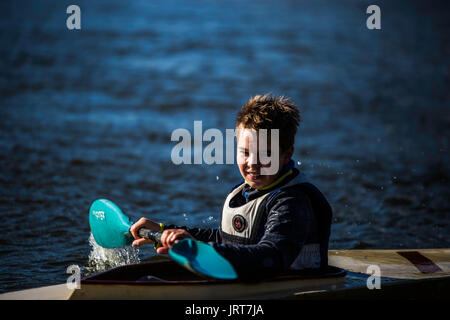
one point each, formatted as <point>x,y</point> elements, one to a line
<point>352,274</point>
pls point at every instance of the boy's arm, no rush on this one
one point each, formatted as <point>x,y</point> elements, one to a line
<point>205,235</point>
<point>287,227</point>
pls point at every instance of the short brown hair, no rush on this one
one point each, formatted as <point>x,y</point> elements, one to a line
<point>269,112</point>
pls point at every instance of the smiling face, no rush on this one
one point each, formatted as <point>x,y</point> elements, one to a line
<point>251,166</point>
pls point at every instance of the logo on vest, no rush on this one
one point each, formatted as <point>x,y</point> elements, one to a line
<point>239,223</point>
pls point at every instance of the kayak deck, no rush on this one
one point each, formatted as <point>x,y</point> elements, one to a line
<point>421,273</point>
<point>167,280</point>
<point>398,264</point>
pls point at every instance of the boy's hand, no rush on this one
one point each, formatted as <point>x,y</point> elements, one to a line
<point>170,237</point>
<point>142,223</point>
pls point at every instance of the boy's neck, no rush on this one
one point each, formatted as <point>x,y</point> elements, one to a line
<point>284,172</point>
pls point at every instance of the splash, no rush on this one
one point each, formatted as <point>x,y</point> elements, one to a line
<point>101,259</point>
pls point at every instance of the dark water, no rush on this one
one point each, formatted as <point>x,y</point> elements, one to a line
<point>89,114</point>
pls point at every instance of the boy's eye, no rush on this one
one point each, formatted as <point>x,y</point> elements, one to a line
<point>267,153</point>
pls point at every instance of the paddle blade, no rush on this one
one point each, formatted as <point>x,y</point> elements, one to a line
<point>202,259</point>
<point>109,225</point>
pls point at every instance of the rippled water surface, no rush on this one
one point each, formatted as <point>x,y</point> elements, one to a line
<point>89,114</point>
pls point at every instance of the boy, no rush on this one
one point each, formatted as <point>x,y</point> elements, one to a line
<point>271,223</point>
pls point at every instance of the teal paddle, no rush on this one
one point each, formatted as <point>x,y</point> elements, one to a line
<point>110,228</point>
<point>202,259</point>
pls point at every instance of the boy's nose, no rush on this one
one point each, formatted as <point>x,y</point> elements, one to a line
<point>252,161</point>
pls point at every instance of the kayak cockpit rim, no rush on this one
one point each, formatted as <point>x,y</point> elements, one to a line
<point>161,273</point>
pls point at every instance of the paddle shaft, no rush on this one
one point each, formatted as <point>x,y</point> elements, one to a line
<point>150,234</point>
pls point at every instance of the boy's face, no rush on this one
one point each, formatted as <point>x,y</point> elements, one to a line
<point>249,162</point>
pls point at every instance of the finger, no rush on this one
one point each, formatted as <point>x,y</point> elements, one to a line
<point>162,250</point>
<point>165,234</point>
<point>140,242</point>
<point>135,228</point>
<point>172,238</point>
<point>133,231</point>
<point>181,236</point>
<point>175,236</point>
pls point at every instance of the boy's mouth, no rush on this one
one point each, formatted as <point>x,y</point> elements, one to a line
<point>253,175</point>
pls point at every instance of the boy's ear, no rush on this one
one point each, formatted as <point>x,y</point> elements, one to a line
<point>289,152</point>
